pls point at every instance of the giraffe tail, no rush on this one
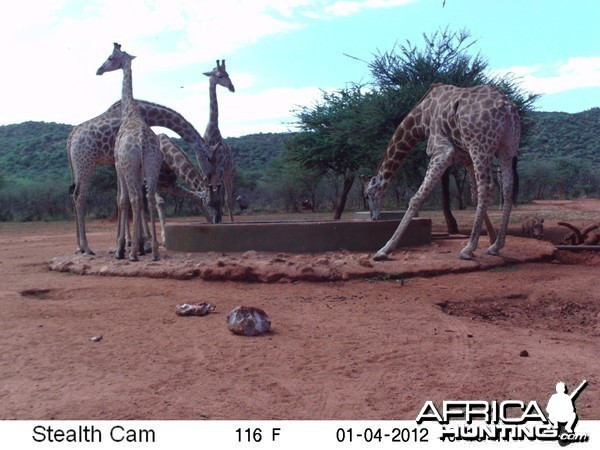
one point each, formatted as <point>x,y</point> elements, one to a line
<point>515,194</point>
<point>145,197</point>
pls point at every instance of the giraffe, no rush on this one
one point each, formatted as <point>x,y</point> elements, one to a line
<point>177,163</point>
<point>137,159</point>
<point>91,144</point>
<point>465,125</point>
<point>224,166</point>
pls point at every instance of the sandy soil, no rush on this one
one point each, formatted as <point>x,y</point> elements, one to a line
<point>374,348</point>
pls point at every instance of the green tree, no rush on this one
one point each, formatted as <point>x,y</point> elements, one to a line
<point>335,137</point>
<point>285,184</point>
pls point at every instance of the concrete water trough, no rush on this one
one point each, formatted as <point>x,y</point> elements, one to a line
<point>292,236</point>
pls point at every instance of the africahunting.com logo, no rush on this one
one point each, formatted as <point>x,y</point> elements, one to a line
<point>508,420</point>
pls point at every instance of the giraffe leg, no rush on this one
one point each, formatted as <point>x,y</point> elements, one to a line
<point>79,192</point>
<point>483,177</point>
<point>135,199</point>
<point>473,184</point>
<point>228,185</point>
<point>451,224</point>
<point>440,161</point>
<point>145,246</point>
<point>155,244</point>
<point>160,208</point>
<point>507,196</point>
<point>142,249</point>
<point>122,214</point>
<point>143,233</point>
<point>128,238</point>
<point>151,177</point>
<point>152,207</point>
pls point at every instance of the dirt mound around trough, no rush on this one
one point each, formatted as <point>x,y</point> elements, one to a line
<point>439,257</point>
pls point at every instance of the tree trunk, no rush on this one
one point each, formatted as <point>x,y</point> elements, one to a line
<point>341,205</point>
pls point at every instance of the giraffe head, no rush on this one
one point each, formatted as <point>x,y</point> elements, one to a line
<point>212,199</point>
<point>214,202</point>
<point>220,76</point>
<point>374,190</point>
<point>117,60</point>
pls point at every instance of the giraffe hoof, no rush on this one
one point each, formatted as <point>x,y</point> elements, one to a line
<point>133,258</point>
<point>380,256</point>
<point>466,255</point>
<point>492,251</point>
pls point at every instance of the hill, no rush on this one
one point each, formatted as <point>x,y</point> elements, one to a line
<point>556,134</point>
<point>254,152</point>
<point>34,149</point>
<point>37,149</point>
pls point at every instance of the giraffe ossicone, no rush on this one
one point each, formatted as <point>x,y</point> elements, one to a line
<point>470,126</point>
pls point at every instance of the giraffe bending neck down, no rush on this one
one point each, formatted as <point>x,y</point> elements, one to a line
<point>224,168</point>
<point>470,126</point>
<point>137,160</point>
<point>176,164</point>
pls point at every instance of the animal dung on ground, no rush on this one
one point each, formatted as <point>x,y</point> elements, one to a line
<point>248,321</point>
<point>194,309</point>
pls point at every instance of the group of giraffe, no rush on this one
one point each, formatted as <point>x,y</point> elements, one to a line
<point>122,136</point>
<point>469,126</point>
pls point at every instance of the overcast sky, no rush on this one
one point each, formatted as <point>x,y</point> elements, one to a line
<point>279,53</point>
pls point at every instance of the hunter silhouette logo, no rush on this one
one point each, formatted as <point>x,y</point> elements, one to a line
<point>562,413</point>
<point>480,420</point>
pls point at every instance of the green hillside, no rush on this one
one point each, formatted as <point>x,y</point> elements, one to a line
<point>557,134</point>
<point>255,152</point>
<point>38,149</point>
<point>34,149</point>
<point>559,156</point>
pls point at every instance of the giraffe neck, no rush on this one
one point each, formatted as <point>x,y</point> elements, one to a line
<point>190,175</point>
<point>127,101</point>
<point>412,130</point>
<point>212,133</point>
<point>179,162</point>
<point>160,116</point>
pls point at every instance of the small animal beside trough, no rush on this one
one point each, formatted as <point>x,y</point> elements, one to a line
<point>533,227</point>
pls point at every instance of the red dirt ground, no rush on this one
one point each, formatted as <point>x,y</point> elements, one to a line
<point>360,349</point>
